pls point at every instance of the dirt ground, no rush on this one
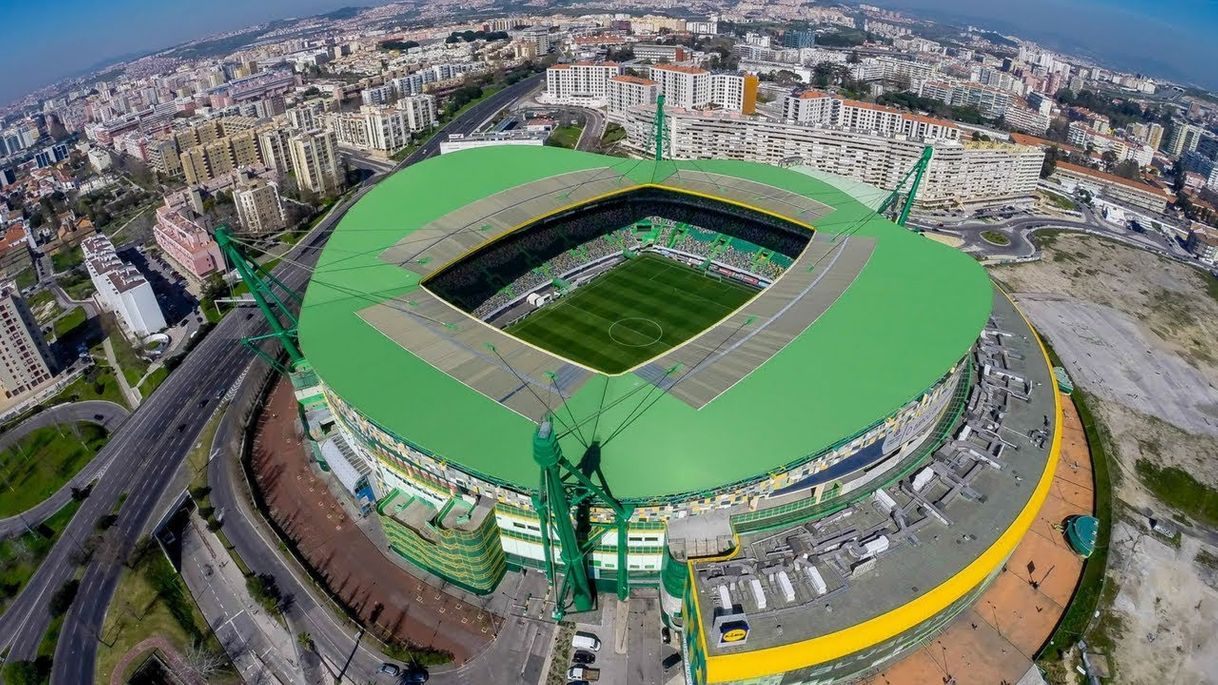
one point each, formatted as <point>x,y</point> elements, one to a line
<point>383,594</point>
<point>1137,332</point>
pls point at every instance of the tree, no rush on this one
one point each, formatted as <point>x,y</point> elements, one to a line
<point>1050,164</point>
<point>1109,157</point>
<point>1128,169</point>
<point>203,662</point>
<point>62,600</point>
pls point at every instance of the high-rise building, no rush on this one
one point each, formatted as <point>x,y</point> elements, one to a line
<point>1184,138</point>
<point>627,91</point>
<point>273,147</point>
<point>1154,136</point>
<point>580,83</point>
<point>25,360</point>
<point>259,207</point>
<point>315,161</point>
<point>420,111</point>
<point>121,287</point>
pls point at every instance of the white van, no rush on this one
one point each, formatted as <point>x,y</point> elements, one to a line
<point>586,641</point>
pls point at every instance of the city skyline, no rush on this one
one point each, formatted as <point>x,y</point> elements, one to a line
<point>1112,32</point>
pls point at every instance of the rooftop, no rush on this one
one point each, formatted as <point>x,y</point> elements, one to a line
<point>910,313</point>
<point>1112,178</point>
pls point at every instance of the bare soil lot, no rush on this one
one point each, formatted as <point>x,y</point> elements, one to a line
<point>1137,333</point>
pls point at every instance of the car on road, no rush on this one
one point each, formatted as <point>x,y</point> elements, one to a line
<point>391,670</point>
<point>583,657</point>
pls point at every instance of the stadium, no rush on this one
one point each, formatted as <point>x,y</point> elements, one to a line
<point>780,386</point>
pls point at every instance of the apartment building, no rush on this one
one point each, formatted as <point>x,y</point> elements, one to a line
<point>25,359</point>
<point>580,83</point>
<point>627,91</point>
<point>371,128</point>
<point>990,101</point>
<point>183,238</point>
<point>816,108</point>
<point>259,207</point>
<point>121,288</point>
<point>960,173</point>
<point>420,111</point>
<point>1113,187</point>
<point>1086,137</point>
<point>1203,243</point>
<point>1184,138</point>
<point>696,88</point>
<point>315,161</point>
<point>1026,120</point>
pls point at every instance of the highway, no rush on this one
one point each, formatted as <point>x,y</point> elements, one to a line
<point>149,448</point>
<point>106,414</point>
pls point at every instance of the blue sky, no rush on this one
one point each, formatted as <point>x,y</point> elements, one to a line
<point>45,41</point>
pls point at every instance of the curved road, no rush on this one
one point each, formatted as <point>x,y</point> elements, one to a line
<point>149,448</point>
<point>108,415</point>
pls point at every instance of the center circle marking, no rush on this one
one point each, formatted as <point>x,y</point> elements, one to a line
<point>648,323</point>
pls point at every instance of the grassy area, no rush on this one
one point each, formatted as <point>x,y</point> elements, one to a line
<point>1178,489</point>
<point>565,136</point>
<point>153,381</point>
<point>151,600</point>
<point>667,304</point>
<point>26,278</point>
<point>21,556</point>
<point>69,321</point>
<point>613,134</point>
<point>69,258</point>
<point>132,365</point>
<point>77,286</point>
<point>41,462</point>
<point>995,237</point>
<point>98,383</point>
<point>1060,201</point>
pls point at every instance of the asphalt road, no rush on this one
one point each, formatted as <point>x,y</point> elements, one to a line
<point>111,416</point>
<point>149,448</point>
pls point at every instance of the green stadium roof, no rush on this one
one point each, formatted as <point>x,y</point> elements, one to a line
<point>912,312</point>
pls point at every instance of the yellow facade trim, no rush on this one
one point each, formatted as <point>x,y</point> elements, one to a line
<point>762,662</point>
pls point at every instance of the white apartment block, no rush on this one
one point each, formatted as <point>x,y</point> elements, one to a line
<point>695,88</point>
<point>259,207</point>
<point>377,95</point>
<point>25,360</point>
<point>959,174</point>
<point>315,161</point>
<point>121,288</point>
<point>420,111</point>
<point>630,91</point>
<point>1086,137</point>
<point>1026,120</point>
<point>990,101</point>
<point>580,83</point>
<point>383,129</point>
<point>815,108</point>
<point>682,87</point>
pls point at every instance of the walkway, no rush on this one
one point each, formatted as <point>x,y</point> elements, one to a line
<point>130,394</point>
<point>111,415</point>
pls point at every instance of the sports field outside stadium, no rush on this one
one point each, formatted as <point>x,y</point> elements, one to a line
<point>632,313</point>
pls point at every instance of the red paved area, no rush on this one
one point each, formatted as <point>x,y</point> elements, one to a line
<point>385,596</point>
<point>172,660</point>
<point>995,640</point>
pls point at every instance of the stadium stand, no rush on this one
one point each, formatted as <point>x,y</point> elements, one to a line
<point>527,259</point>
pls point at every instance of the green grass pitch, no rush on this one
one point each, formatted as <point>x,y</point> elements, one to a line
<point>634,312</point>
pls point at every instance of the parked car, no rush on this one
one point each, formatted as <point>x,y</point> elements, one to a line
<point>583,657</point>
<point>583,673</point>
<point>586,641</point>
<point>391,670</point>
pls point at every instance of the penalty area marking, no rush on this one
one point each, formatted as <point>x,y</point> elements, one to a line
<point>641,334</point>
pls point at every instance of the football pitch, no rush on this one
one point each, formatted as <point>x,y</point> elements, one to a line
<point>635,311</point>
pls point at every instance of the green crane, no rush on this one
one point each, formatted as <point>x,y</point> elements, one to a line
<point>262,285</point>
<point>916,172</point>
<point>660,128</point>
<point>565,495</point>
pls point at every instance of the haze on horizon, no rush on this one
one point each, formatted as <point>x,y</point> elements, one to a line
<point>49,42</point>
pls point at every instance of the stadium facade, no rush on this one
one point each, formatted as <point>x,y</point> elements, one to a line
<point>847,386</point>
